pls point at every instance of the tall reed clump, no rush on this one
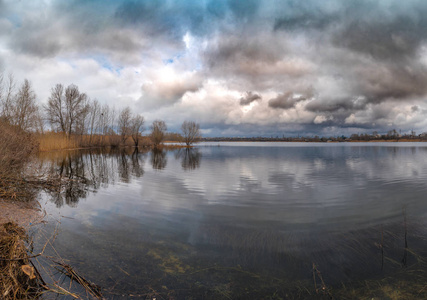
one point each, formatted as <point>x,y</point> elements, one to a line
<point>56,141</point>
<point>51,141</point>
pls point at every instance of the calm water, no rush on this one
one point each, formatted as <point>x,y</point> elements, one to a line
<point>241,220</point>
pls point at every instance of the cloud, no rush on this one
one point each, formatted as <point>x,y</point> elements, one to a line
<point>363,60</point>
<point>244,9</point>
<point>385,34</point>
<point>249,97</point>
<point>288,99</point>
<point>320,119</point>
<point>167,87</point>
<point>398,80</point>
<point>336,104</point>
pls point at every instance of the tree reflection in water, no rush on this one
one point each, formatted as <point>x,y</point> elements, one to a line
<point>158,159</point>
<point>85,171</point>
<point>130,164</point>
<point>81,172</point>
<point>137,161</point>
<point>190,158</point>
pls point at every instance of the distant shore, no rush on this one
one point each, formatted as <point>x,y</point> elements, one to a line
<point>403,140</point>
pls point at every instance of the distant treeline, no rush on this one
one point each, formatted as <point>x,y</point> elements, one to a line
<point>391,135</point>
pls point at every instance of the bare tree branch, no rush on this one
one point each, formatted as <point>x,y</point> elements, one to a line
<point>190,132</point>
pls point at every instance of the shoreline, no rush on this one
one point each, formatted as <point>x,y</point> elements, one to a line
<point>319,142</point>
<point>24,214</point>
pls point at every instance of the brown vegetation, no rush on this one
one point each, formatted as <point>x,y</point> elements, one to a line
<point>158,131</point>
<point>16,146</point>
<point>18,277</point>
<point>51,141</point>
<point>190,132</point>
<point>19,107</point>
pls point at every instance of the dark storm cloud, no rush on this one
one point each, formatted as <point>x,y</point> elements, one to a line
<point>289,99</point>
<point>248,98</point>
<point>175,18</point>
<point>236,49</point>
<point>39,42</point>
<point>336,104</point>
<point>383,30</point>
<point>381,112</point>
<point>394,80</point>
<point>385,37</point>
<point>161,17</point>
<point>87,25</point>
<point>303,15</point>
<point>253,60</point>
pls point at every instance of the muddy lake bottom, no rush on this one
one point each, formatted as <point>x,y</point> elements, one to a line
<point>242,220</point>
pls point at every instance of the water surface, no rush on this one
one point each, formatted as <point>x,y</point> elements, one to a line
<point>241,220</point>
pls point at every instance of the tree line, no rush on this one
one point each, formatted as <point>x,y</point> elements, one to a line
<point>72,113</point>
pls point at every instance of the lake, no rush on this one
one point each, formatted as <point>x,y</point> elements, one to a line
<point>243,220</point>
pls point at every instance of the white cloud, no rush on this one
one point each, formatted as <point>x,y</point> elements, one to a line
<point>320,119</point>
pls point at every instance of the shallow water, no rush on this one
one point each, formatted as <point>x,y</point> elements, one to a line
<point>241,220</point>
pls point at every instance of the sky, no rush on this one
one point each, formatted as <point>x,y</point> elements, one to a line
<point>239,68</point>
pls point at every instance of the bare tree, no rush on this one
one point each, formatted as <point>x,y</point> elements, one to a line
<point>65,108</point>
<point>20,108</point>
<point>7,89</point>
<point>112,118</point>
<point>82,121</point>
<point>94,116</point>
<point>39,122</point>
<point>136,128</point>
<point>104,119</point>
<point>190,132</point>
<point>124,123</point>
<point>55,108</point>
<point>158,130</point>
<point>76,106</point>
<point>104,122</point>
<point>24,108</point>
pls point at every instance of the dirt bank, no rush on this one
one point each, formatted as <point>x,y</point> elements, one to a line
<point>21,213</point>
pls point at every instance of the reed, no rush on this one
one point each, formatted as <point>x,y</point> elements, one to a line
<point>56,141</point>
<point>52,141</point>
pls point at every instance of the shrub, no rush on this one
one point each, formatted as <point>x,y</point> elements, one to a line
<point>16,146</point>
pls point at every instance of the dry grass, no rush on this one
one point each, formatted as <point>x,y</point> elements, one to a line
<point>56,141</point>
<point>18,278</point>
<point>52,141</point>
